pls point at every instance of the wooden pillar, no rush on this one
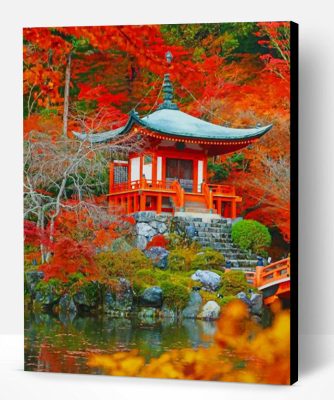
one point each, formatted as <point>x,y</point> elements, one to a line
<point>123,204</point>
<point>141,166</point>
<point>135,203</point>
<point>233,209</point>
<point>110,204</point>
<point>195,175</point>
<point>142,200</point>
<point>128,204</point>
<point>129,172</point>
<point>111,176</point>
<point>219,206</point>
<point>163,172</point>
<point>205,169</point>
<point>159,203</point>
<point>154,168</point>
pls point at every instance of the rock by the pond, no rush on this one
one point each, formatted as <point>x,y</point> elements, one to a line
<point>147,312</point>
<point>256,300</point>
<point>67,305</point>
<point>158,255</point>
<point>118,301</point>
<point>210,280</point>
<point>190,231</point>
<point>152,297</point>
<point>87,296</point>
<point>141,242</point>
<point>193,306</point>
<point>243,297</point>
<point>210,311</point>
<point>167,312</point>
<point>47,297</point>
<point>145,229</point>
<point>32,278</point>
<point>124,295</point>
<point>108,302</point>
<point>120,244</point>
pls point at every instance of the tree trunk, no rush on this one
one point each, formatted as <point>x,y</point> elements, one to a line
<point>67,94</point>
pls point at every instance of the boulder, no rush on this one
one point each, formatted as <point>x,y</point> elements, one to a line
<point>152,297</point>
<point>124,295</point>
<point>32,278</point>
<point>120,244</point>
<point>193,306</point>
<point>162,227</point>
<point>144,216</point>
<point>167,312</point>
<point>256,300</point>
<point>209,280</point>
<point>47,296</point>
<point>158,255</point>
<point>147,313</point>
<point>108,301</point>
<point>210,311</point>
<point>141,242</point>
<point>145,229</point>
<point>87,296</point>
<point>161,217</point>
<point>243,297</point>
<point>67,305</point>
<point>191,231</point>
<point>154,224</point>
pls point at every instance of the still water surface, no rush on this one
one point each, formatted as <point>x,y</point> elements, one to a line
<point>63,345</point>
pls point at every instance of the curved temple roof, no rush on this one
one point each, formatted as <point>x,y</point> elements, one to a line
<point>175,123</point>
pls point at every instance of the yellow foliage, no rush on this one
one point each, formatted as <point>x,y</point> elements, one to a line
<point>242,352</point>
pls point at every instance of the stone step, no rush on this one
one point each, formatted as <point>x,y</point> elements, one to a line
<point>202,210</point>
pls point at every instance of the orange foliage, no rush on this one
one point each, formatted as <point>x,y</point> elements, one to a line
<point>243,352</point>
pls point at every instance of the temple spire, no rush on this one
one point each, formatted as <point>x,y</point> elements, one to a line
<point>167,89</point>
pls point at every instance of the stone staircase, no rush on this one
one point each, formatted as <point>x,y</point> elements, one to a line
<point>216,232</point>
<point>196,207</point>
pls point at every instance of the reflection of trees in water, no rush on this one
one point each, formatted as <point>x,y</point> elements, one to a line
<point>61,344</point>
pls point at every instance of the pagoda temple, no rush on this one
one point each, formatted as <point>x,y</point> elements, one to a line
<point>170,173</point>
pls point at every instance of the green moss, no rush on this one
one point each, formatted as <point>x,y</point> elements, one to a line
<point>121,264</point>
<point>175,295</point>
<point>233,283</point>
<point>251,235</point>
<point>208,258</point>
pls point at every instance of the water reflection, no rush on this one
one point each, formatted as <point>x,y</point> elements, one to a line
<point>61,344</point>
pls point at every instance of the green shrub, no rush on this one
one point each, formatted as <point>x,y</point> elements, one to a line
<point>177,241</point>
<point>251,235</point>
<point>121,264</point>
<point>208,259</point>
<point>48,292</point>
<point>175,295</point>
<point>234,282</point>
<point>181,259</point>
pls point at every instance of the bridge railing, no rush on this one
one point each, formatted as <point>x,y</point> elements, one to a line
<point>272,273</point>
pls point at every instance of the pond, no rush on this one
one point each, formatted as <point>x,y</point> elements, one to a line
<point>56,345</point>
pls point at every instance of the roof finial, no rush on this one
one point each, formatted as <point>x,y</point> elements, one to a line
<point>167,88</point>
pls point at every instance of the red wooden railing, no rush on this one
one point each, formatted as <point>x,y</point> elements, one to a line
<point>179,194</point>
<point>272,273</point>
<point>226,190</point>
<point>208,196</point>
<point>129,197</point>
<point>269,274</point>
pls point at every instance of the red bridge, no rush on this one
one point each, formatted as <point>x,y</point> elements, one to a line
<point>272,280</point>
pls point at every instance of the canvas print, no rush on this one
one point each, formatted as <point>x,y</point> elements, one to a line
<point>158,234</point>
